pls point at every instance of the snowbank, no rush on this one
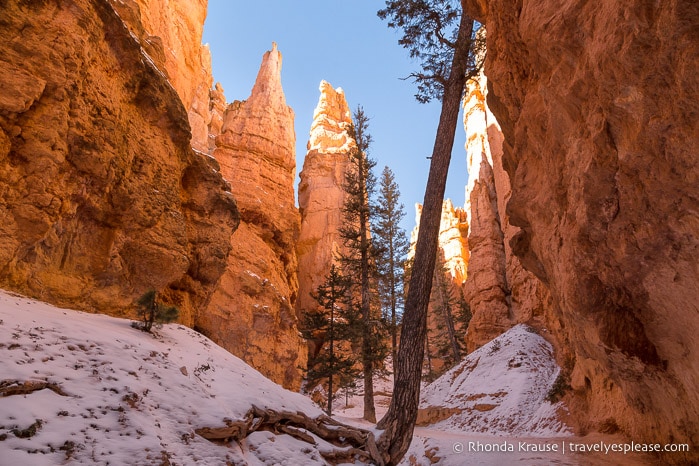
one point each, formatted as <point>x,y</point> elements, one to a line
<point>500,389</point>
<point>116,395</point>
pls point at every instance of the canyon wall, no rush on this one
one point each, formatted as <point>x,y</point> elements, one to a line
<point>452,242</point>
<point>500,292</point>
<point>321,195</point>
<point>170,32</point>
<point>252,313</point>
<point>101,195</point>
<point>598,104</point>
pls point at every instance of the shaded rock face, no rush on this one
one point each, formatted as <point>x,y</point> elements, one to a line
<point>501,293</point>
<point>598,103</point>
<point>171,31</point>
<point>252,311</point>
<point>171,34</point>
<point>101,196</point>
<point>321,196</point>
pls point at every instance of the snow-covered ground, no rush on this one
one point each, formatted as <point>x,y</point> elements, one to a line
<point>127,397</point>
<point>117,396</point>
<point>500,389</point>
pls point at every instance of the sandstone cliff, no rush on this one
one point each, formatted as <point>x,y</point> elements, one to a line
<point>598,102</point>
<point>252,311</point>
<point>321,196</point>
<point>171,31</point>
<point>499,291</point>
<point>101,196</point>
<point>453,239</point>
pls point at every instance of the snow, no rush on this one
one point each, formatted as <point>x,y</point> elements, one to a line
<point>501,388</point>
<point>131,397</point>
<point>124,397</point>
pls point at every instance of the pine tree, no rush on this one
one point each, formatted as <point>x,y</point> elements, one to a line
<point>153,312</point>
<point>331,326</point>
<point>445,304</point>
<point>391,246</point>
<point>442,37</point>
<point>357,258</point>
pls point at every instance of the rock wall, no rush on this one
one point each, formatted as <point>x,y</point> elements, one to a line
<point>500,292</point>
<point>170,32</point>
<point>252,314</point>
<point>101,196</point>
<point>321,196</point>
<point>453,239</point>
<point>598,103</point>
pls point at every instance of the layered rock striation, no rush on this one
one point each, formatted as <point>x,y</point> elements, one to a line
<point>321,195</point>
<point>598,105</point>
<point>252,311</point>
<point>101,195</point>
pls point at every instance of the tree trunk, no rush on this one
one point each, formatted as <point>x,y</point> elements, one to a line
<point>367,360</point>
<point>399,422</point>
<point>392,282</point>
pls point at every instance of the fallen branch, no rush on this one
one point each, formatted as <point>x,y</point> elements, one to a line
<point>351,442</point>
<point>17,387</point>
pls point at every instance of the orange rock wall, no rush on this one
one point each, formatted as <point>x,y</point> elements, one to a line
<point>171,31</point>
<point>252,311</point>
<point>101,195</point>
<point>598,102</point>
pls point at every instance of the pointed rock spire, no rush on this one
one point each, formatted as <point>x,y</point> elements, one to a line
<point>268,85</point>
<point>251,314</point>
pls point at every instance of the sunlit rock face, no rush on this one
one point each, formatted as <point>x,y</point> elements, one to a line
<point>171,31</point>
<point>101,195</point>
<point>452,240</point>
<point>598,105</point>
<point>252,311</point>
<point>321,196</point>
<point>499,291</point>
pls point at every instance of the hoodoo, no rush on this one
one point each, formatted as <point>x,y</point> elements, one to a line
<point>252,311</point>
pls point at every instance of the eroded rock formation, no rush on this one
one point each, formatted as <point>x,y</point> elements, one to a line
<point>252,311</point>
<point>101,195</point>
<point>453,239</point>
<point>321,196</point>
<point>170,32</point>
<point>500,292</point>
<point>598,105</point>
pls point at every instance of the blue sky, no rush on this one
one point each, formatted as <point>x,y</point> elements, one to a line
<point>346,44</point>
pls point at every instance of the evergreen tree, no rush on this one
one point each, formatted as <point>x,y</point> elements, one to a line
<point>357,258</point>
<point>331,327</point>
<point>153,312</point>
<point>391,246</point>
<point>445,304</point>
<point>442,37</point>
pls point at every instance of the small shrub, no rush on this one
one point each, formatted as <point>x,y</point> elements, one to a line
<point>495,348</point>
<point>152,312</point>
